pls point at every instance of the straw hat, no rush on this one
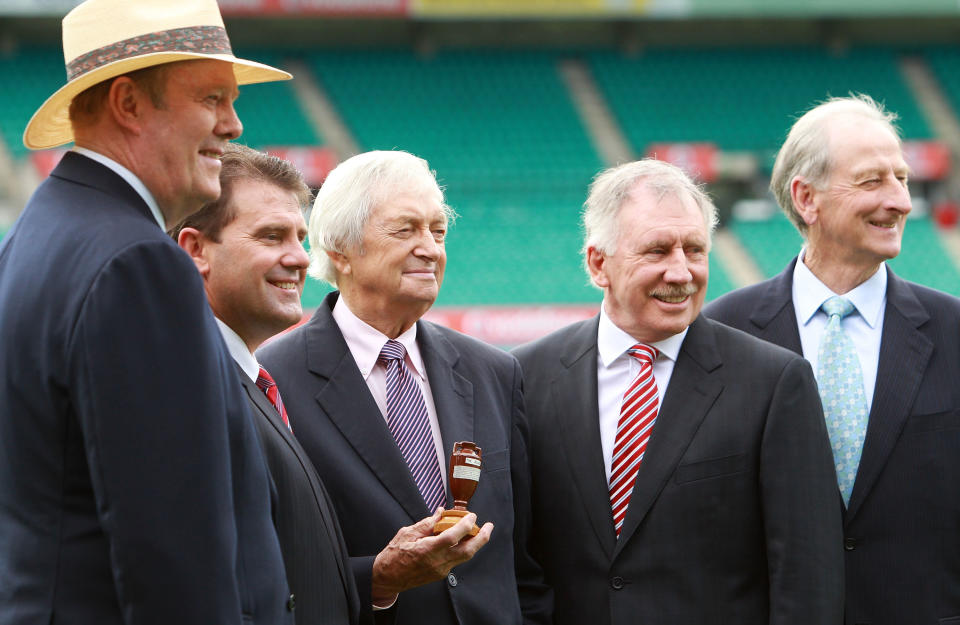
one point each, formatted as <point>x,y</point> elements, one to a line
<point>106,38</point>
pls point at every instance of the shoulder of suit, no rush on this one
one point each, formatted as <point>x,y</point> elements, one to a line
<point>554,342</point>
<point>730,339</point>
<point>465,344</point>
<point>734,304</point>
<point>935,300</point>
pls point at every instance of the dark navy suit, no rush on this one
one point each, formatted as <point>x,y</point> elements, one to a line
<point>132,485</point>
<point>902,527</point>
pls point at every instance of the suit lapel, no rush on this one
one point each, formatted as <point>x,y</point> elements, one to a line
<point>692,391</point>
<point>452,393</point>
<point>774,315</point>
<point>904,355</point>
<point>343,396</point>
<point>574,393</point>
<point>268,412</point>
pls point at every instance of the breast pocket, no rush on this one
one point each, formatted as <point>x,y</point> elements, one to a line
<point>931,422</point>
<point>707,469</point>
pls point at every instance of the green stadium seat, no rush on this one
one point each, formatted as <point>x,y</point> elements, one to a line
<point>742,98</point>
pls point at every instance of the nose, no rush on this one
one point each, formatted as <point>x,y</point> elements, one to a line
<point>296,257</point>
<point>899,199</point>
<point>427,246</point>
<point>229,125</point>
<point>677,271</point>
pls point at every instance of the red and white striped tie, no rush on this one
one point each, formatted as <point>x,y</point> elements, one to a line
<point>410,425</point>
<point>266,384</point>
<point>637,414</point>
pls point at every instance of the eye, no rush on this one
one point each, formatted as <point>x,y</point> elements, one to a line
<point>439,234</point>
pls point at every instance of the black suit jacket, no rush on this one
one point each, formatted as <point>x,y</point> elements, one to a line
<point>314,553</point>
<point>734,517</point>
<point>902,527</point>
<point>476,391</point>
<point>132,486</point>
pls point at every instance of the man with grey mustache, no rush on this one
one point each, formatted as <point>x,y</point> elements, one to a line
<point>681,470</point>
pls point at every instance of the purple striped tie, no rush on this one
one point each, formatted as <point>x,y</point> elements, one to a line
<point>408,422</point>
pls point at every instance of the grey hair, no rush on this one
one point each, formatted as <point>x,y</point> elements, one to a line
<point>611,188</point>
<point>806,152</point>
<point>352,189</point>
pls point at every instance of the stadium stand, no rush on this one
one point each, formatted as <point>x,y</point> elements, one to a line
<point>501,132</point>
<point>30,76</point>
<point>742,98</point>
<point>271,113</point>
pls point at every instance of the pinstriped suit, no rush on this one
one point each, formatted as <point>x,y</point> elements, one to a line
<point>314,554</point>
<point>902,526</point>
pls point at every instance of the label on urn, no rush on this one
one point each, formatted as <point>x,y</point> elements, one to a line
<point>474,461</point>
<point>464,472</point>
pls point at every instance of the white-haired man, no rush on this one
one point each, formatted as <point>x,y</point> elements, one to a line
<point>680,469</point>
<point>132,488</point>
<point>895,424</point>
<point>378,397</point>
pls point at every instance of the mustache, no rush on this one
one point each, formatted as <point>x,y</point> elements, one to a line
<point>684,290</point>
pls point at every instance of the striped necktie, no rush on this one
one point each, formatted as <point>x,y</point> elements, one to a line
<point>266,384</point>
<point>637,415</point>
<point>408,422</point>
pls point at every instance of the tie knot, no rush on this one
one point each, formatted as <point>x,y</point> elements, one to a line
<point>646,354</point>
<point>392,350</point>
<point>837,305</point>
<point>264,381</point>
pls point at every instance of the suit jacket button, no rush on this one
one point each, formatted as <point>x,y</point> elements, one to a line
<point>616,583</point>
<point>849,544</point>
<point>291,603</point>
<point>452,580</point>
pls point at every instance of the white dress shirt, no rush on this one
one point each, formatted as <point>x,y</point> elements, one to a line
<point>131,179</point>
<point>616,370</point>
<point>365,343</point>
<point>864,325</point>
<point>238,350</point>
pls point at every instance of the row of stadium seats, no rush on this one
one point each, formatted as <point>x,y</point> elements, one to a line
<point>515,159</point>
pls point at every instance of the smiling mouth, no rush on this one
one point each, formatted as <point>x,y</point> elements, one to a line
<point>885,226</point>
<point>672,299</point>
<point>286,286</point>
<point>210,154</point>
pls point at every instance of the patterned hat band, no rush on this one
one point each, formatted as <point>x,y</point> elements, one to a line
<point>195,39</point>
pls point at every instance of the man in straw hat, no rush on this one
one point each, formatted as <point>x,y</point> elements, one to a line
<point>132,487</point>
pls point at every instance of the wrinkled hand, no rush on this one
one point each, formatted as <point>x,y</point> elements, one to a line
<point>415,556</point>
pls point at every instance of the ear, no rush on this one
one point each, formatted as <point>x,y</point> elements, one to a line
<point>341,262</point>
<point>803,194</point>
<point>126,104</point>
<point>596,262</point>
<point>197,247</point>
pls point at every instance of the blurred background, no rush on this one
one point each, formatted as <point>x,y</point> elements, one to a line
<point>517,104</point>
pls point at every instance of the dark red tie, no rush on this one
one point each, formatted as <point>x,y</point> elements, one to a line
<point>266,384</point>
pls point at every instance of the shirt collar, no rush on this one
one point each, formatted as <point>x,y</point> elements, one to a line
<point>612,342</point>
<point>238,349</point>
<point>365,341</point>
<point>809,293</point>
<point>131,179</point>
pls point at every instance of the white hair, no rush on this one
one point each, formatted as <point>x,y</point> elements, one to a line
<point>806,152</point>
<point>611,188</point>
<point>349,194</point>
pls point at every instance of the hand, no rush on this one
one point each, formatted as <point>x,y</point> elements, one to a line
<point>415,556</point>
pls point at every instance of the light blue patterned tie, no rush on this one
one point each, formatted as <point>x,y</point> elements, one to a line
<point>841,390</point>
